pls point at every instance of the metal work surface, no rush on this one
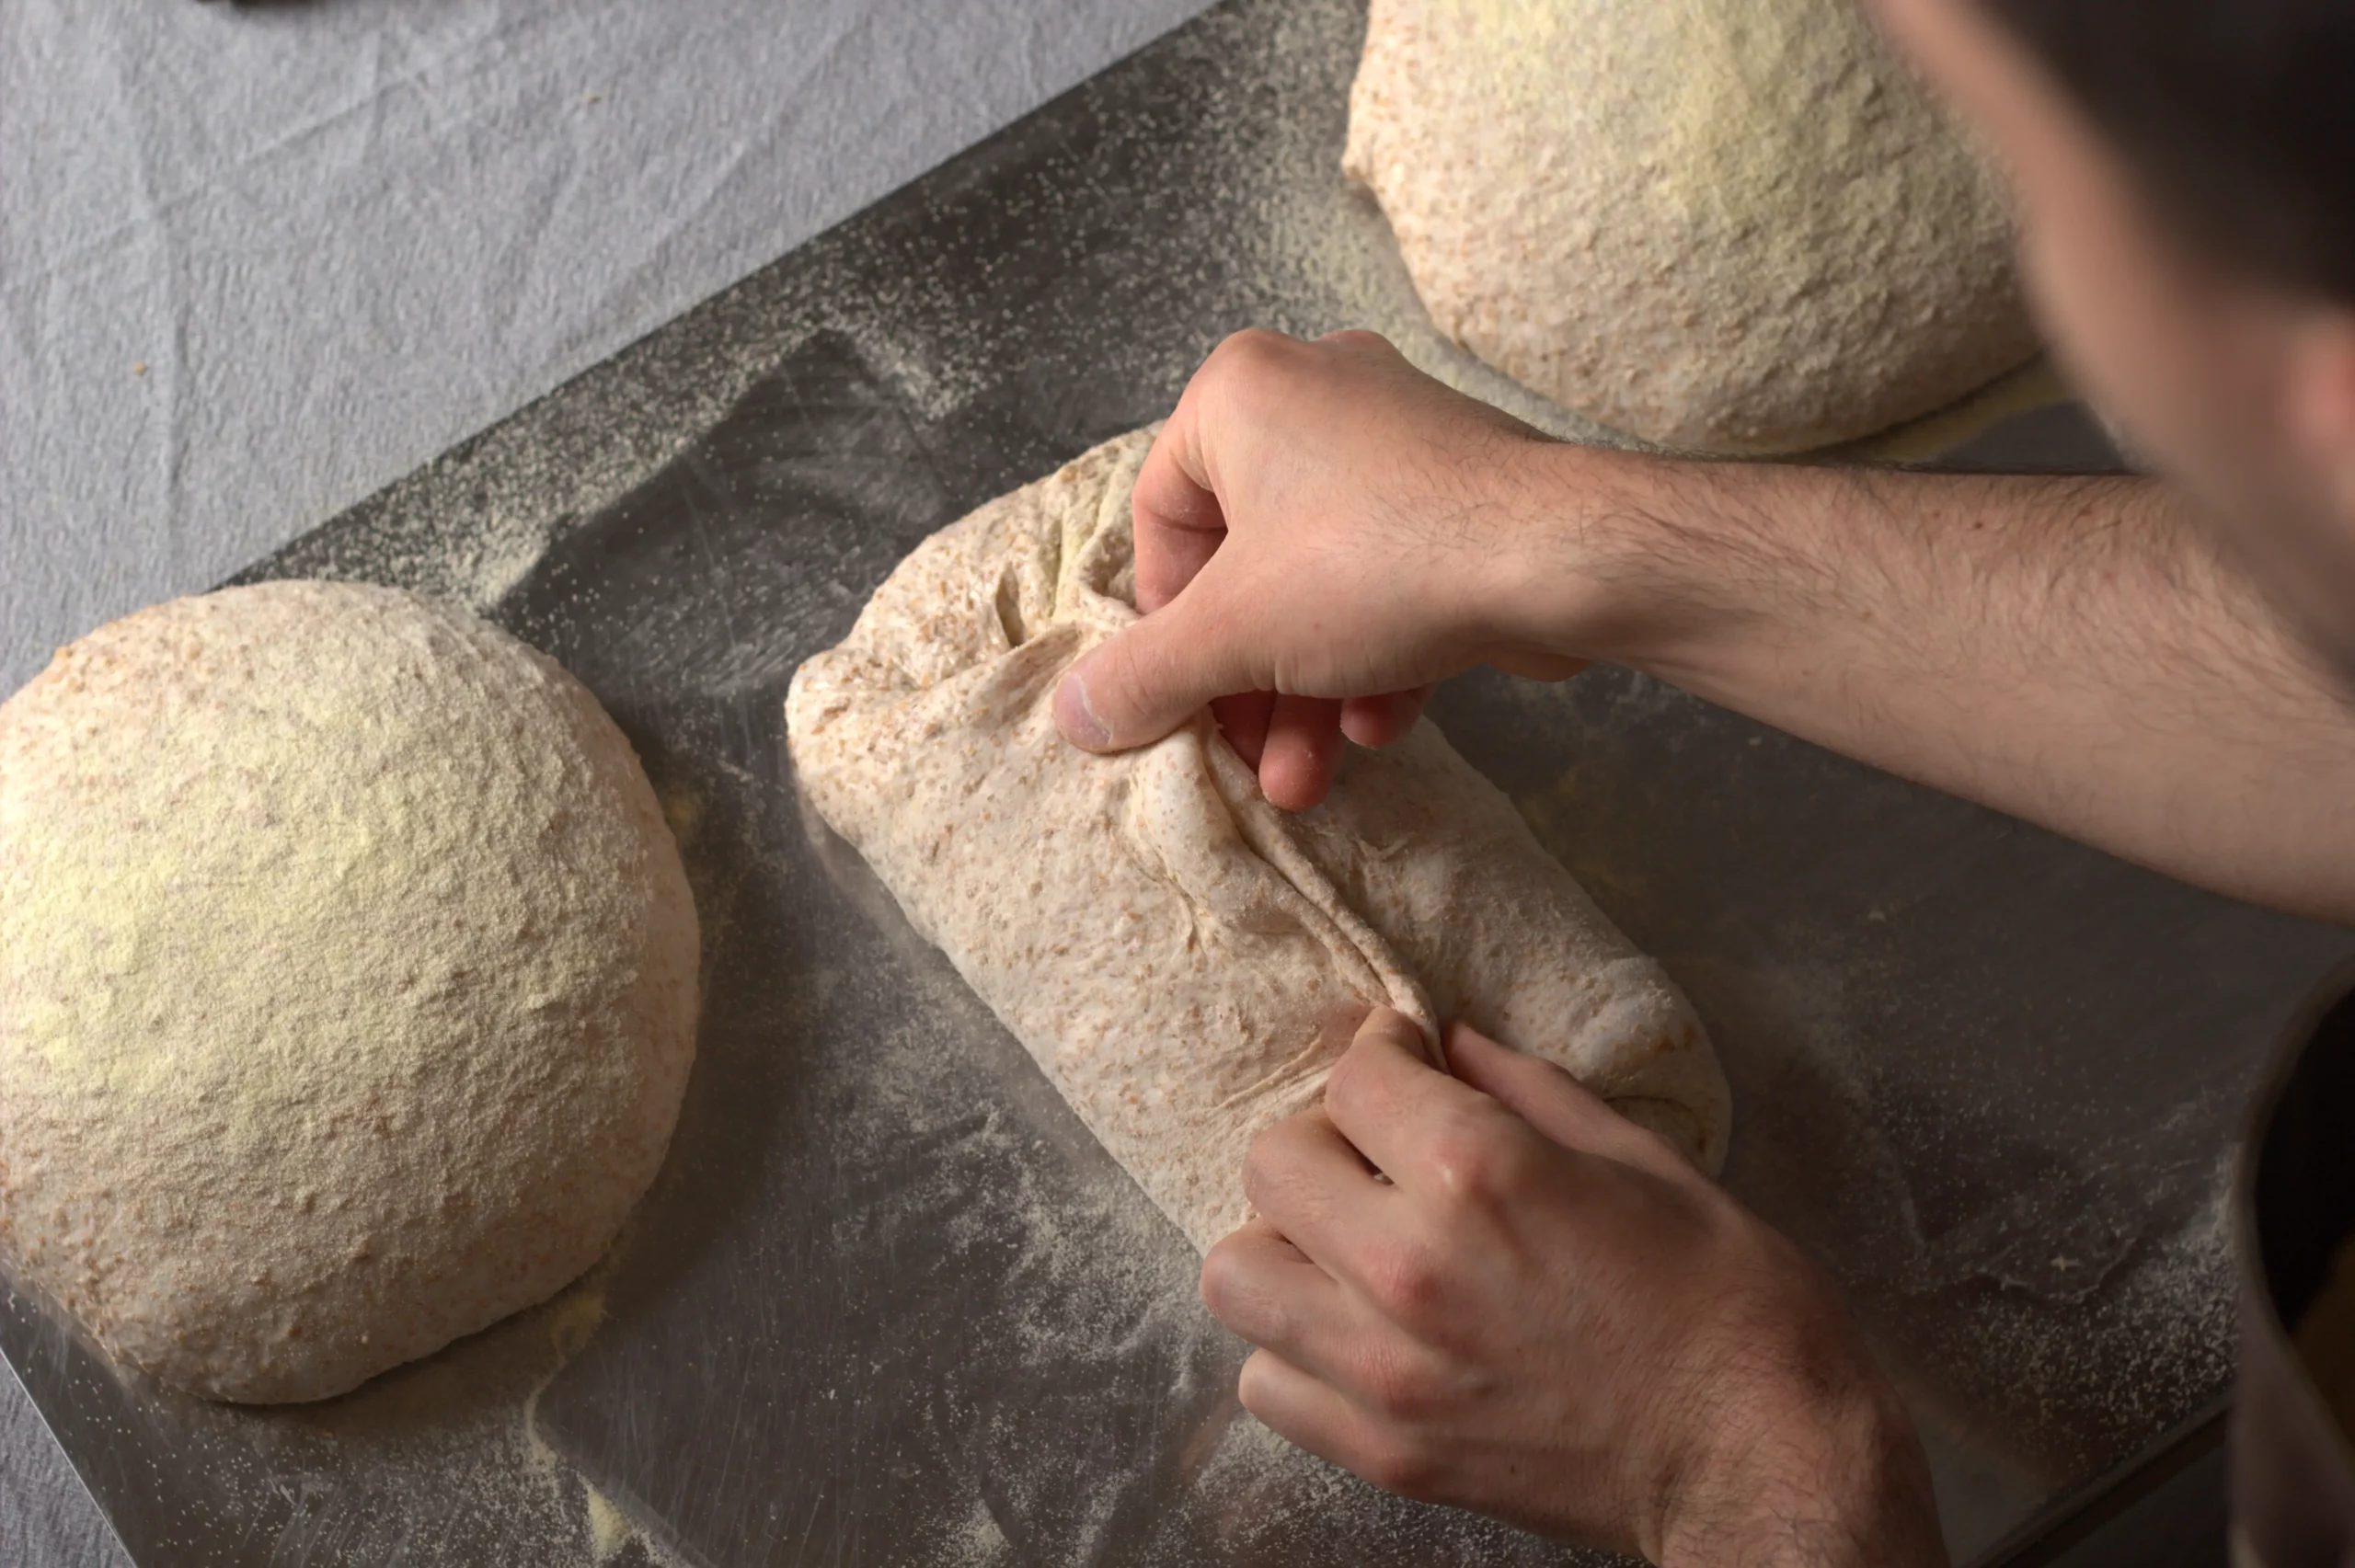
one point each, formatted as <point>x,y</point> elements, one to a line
<point>888,1302</point>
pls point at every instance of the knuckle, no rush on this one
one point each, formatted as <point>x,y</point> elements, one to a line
<point>1481,1161</point>
<point>1408,1280</point>
<point>1146,661</point>
<point>1265,1166</point>
<point>1267,1151</point>
<point>1218,620</point>
<point>1247,373</point>
<point>1398,1465</point>
<point>1345,1084</point>
<point>1108,672</point>
<point>1254,348</point>
<point>1360,337</point>
<point>1399,1383</point>
<point>1220,1285</point>
<point>1252,1387</point>
<point>1191,643</point>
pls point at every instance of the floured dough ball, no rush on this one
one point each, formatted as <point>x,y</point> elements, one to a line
<point>1724,225</point>
<point>347,984</point>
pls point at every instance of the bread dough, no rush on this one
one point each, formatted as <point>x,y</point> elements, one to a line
<point>1183,960</point>
<point>1724,225</point>
<point>347,984</point>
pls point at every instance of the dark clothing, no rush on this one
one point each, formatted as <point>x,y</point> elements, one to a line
<point>2293,1469</point>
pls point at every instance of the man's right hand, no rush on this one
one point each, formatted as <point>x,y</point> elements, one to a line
<point>1322,533</point>
<point>1323,523</point>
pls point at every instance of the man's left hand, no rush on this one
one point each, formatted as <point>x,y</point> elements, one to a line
<point>1540,1310</point>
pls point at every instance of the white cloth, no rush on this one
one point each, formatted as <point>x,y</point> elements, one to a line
<point>342,236</point>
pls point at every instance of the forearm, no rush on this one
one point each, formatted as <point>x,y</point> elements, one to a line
<point>2073,651</point>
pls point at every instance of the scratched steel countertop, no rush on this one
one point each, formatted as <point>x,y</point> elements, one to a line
<point>888,1302</point>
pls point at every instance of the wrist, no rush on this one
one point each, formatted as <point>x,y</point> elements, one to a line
<point>1843,1482</point>
<point>1590,566</point>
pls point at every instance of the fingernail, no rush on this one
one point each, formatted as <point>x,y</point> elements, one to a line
<point>1076,718</point>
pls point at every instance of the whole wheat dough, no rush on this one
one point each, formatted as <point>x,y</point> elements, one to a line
<point>1725,225</point>
<point>1183,960</point>
<point>347,984</point>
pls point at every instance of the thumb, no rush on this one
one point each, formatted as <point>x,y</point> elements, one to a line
<point>1137,686</point>
<point>1556,1104</point>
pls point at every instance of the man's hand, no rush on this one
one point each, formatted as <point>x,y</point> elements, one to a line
<point>1323,521</point>
<point>1318,521</point>
<point>1543,1313</point>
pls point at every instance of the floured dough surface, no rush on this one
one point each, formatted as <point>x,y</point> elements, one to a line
<point>1724,225</point>
<point>347,984</point>
<point>1183,960</point>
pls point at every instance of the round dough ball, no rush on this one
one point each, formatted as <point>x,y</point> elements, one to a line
<point>347,984</point>
<point>1723,225</point>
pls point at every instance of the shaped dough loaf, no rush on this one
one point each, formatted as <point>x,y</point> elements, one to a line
<point>1183,960</point>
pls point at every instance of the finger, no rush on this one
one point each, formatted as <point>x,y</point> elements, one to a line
<point>1304,1409</point>
<point>1297,1406</point>
<point>1302,752</point>
<point>1557,1104</point>
<point>1378,721</point>
<point>1175,560</point>
<point>1243,719</point>
<point>1137,686</point>
<point>1266,1289</point>
<point>1174,512</point>
<point>1384,1096</point>
<point>1317,1191</point>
